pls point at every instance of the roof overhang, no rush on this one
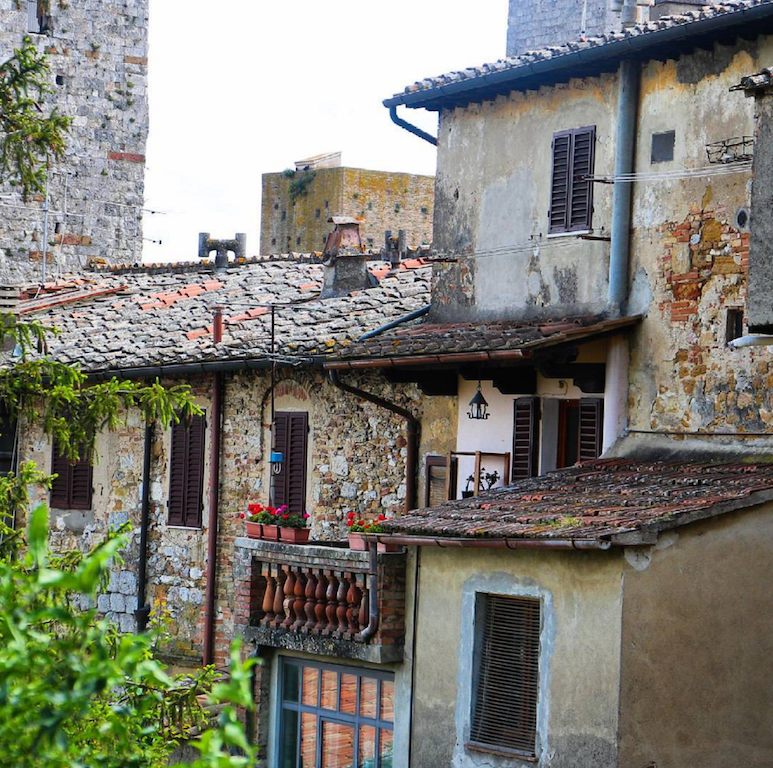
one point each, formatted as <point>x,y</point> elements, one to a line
<point>660,44</point>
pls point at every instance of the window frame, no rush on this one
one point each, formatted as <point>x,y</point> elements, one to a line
<point>328,715</point>
<point>478,650</point>
<point>435,461</point>
<point>70,502</point>
<point>567,228</point>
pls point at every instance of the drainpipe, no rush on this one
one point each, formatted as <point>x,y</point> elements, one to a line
<point>410,127</point>
<point>143,609</point>
<point>214,497</point>
<point>249,720</point>
<point>372,627</point>
<point>625,143</point>
<point>411,430</point>
<point>415,315</point>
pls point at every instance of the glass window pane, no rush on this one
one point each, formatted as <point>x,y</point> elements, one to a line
<point>367,747</point>
<point>387,700</point>
<point>310,686</point>
<point>308,740</point>
<point>386,749</point>
<point>368,697</point>
<point>329,689</point>
<point>337,745</point>
<point>291,682</point>
<point>289,746</point>
<point>349,693</point>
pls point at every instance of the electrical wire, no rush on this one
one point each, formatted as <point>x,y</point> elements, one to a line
<point>726,169</point>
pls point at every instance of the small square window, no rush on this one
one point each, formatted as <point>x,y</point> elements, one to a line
<point>276,206</point>
<point>424,209</point>
<point>273,241</point>
<point>60,79</point>
<point>284,215</point>
<point>734,326</point>
<point>297,240</point>
<point>317,213</point>
<point>663,147</point>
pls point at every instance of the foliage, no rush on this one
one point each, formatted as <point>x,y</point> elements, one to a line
<point>299,186</point>
<point>364,526</point>
<point>74,692</point>
<point>29,137</point>
<point>281,516</point>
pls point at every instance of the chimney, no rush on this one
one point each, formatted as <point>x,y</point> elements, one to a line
<point>217,324</point>
<point>344,259</point>
<point>237,246</point>
<point>662,8</point>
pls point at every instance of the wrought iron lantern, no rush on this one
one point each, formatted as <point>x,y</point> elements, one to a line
<point>478,408</point>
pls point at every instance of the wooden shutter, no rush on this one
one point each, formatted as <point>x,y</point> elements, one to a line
<point>504,711</point>
<point>291,432</point>
<point>72,487</point>
<point>186,473</point>
<point>435,491</point>
<point>571,195</point>
<point>526,438</point>
<point>591,427</point>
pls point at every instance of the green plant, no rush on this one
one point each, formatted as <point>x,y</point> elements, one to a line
<point>356,525</point>
<point>299,186</point>
<point>281,516</point>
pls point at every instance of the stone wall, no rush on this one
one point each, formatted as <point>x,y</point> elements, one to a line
<point>385,201</point>
<point>97,52</point>
<point>356,462</point>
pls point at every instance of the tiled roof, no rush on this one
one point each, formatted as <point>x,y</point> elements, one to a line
<point>422,339</point>
<point>150,317</point>
<point>599,44</point>
<point>598,500</point>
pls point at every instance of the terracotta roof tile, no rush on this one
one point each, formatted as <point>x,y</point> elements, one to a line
<point>597,500</point>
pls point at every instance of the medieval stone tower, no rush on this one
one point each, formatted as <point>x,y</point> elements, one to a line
<point>97,51</point>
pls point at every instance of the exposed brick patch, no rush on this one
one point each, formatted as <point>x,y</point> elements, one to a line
<point>141,60</point>
<point>128,157</point>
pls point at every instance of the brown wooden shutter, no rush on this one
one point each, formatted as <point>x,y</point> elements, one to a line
<point>571,195</point>
<point>186,473</point>
<point>526,438</point>
<point>591,427</point>
<point>504,711</point>
<point>559,190</point>
<point>72,488</point>
<point>581,198</point>
<point>435,491</point>
<point>291,431</point>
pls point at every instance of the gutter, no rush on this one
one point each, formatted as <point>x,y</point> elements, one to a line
<point>640,45</point>
<point>452,358</point>
<point>142,613</point>
<point>410,127</point>
<point>505,543</point>
<point>412,428</point>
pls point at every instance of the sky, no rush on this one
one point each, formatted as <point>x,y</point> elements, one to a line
<point>239,88</point>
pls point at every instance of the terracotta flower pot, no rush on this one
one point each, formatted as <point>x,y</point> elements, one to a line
<point>271,533</point>
<point>294,535</point>
<point>254,530</point>
<point>357,543</point>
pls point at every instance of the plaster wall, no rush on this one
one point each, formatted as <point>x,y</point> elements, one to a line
<point>579,657</point>
<point>492,198</point>
<point>98,57</point>
<point>697,648</point>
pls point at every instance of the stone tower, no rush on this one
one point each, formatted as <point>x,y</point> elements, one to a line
<point>97,52</point>
<point>538,23</point>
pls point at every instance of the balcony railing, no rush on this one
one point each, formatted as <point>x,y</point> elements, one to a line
<point>317,599</point>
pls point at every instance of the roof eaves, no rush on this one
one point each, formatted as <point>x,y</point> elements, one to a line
<point>636,45</point>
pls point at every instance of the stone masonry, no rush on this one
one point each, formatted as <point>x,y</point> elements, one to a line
<point>97,52</point>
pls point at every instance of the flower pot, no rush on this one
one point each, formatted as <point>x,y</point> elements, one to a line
<point>271,533</point>
<point>388,547</point>
<point>294,535</point>
<point>254,530</point>
<point>357,543</point>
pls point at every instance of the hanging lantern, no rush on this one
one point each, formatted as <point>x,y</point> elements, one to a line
<point>478,406</point>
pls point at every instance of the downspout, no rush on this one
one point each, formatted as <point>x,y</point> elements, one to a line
<point>249,720</point>
<point>410,127</point>
<point>625,144</point>
<point>415,315</point>
<point>142,613</point>
<point>415,634</point>
<point>411,430</point>
<point>373,620</point>
<point>214,497</point>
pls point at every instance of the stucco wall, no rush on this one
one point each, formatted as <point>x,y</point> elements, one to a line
<point>579,655</point>
<point>697,651</point>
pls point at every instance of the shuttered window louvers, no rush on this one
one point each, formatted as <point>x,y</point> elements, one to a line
<point>186,473</point>
<point>504,712</point>
<point>571,196</point>
<point>525,438</point>
<point>281,422</point>
<point>73,487</point>
<point>591,427</point>
<point>291,434</point>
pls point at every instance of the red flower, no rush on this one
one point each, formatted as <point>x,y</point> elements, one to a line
<point>350,523</point>
<point>285,517</point>
<point>382,517</point>
<point>350,516</point>
<point>241,514</point>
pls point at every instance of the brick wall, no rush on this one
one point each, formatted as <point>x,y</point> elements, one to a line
<point>97,52</point>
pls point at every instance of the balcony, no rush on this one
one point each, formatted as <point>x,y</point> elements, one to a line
<point>316,599</point>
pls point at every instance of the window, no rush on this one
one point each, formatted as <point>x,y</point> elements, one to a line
<point>663,147</point>
<point>186,473</point>
<point>72,487</point>
<point>734,327</point>
<point>440,487</point>
<point>38,18</point>
<point>506,678</point>
<point>571,195</point>
<point>550,434</point>
<point>335,717</point>
<point>291,439</point>
<point>284,215</point>
<point>317,213</point>
<point>8,454</point>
